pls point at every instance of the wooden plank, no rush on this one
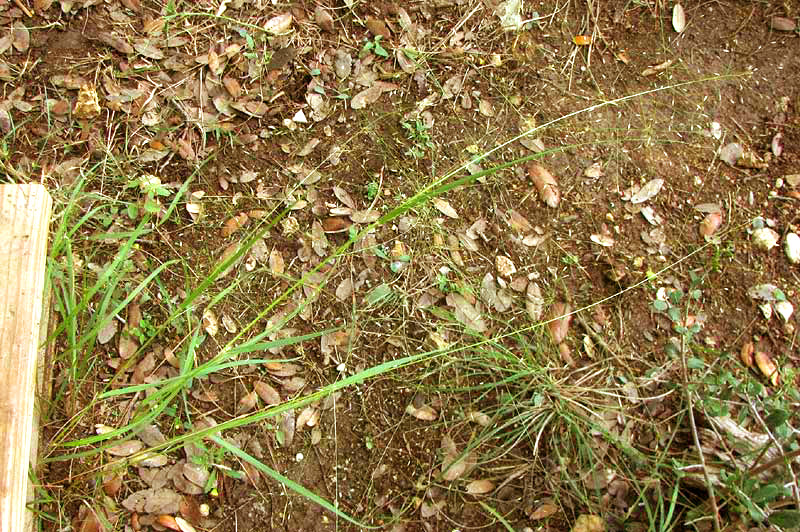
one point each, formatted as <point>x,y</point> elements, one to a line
<point>24,218</point>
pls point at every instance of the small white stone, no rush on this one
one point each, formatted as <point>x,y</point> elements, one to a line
<point>765,238</point>
<point>791,245</point>
<point>784,309</point>
<point>299,457</point>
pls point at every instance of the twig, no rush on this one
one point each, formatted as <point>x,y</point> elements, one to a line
<point>23,8</point>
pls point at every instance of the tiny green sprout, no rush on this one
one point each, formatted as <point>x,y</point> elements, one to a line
<point>369,443</point>
<point>371,191</point>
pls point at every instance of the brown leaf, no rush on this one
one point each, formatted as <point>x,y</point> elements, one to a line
<point>342,195</point>
<point>323,19</point>
<point>267,393</point>
<point>782,24</point>
<point>466,313</point>
<point>276,263</point>
<point>232,86</point>
<point>424,413</point>
<point>767,367</point>
<point>116,42</point>
<point>234,224</point>
<point>247,403</point>
<point>167,521</point>
<point>710,224</point>
<point>378,27</point>
<point>279,24</point>
<point>128,345</point>
<point>366,97</point>
<point>479,487</point>
<point>445,208</point>
<point>746,354</point>
<point>148,50</point>
<point>125,448</point>
<point>21,37</point>
<point>546,184</point>
<point>543,511</point>
<point>559,327</point>
<point>336,224</point>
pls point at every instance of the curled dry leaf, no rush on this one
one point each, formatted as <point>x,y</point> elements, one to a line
<point>678,18</point>
<point>20,37</point>
<point>746,354</point>
<point>210,322</point>
<point>767,366</point>
<point>710,224</point>
<point>276,263</point>
<point>234,224</point>
<point>534,302</point>
<point>480,487</point>
<point>424,413</point>
<point>479,417</point>
<point>546,184</point>
<point>561,317</point>
<point>782,24</point>
<point>247,403</point>
<point>279,24</point>
<point>267,393</point>
<point>648,191</point>
<point>336,224</point>
<point>543,511</point>
<point>323,19</point>
<point>445,208</point>
<point>466,313</point>
<point>125,448</point>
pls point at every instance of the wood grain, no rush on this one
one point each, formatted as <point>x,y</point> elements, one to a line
<point>24,220</point>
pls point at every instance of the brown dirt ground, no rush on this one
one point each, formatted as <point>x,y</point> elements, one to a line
<point>379,463</point>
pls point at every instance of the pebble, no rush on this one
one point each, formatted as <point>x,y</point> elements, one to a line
<point>791,246</point>
<point>765,238</point>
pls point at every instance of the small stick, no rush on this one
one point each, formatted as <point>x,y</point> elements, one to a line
<point>23,8</point>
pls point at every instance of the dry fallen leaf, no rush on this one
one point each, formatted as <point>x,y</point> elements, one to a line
<point>746,354</point>
<point>424,413</point>
<point>648,191</point>
<point>21,37</point>
<point>267,393</point>
<point>546,184</point>
<point>445,208</point>
<point>210,322</point>
<point>279,24</point>
<point>234,224</point>
<point>767,367</point>
<point>710,224</point>
<point>560,314</point>
<point>543,511</point>
<point>480,487</point>
<point>247,403</point>
<point>678,18</point>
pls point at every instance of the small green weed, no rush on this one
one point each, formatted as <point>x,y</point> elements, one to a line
<point>375,47</point>
<point>418,134</point>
